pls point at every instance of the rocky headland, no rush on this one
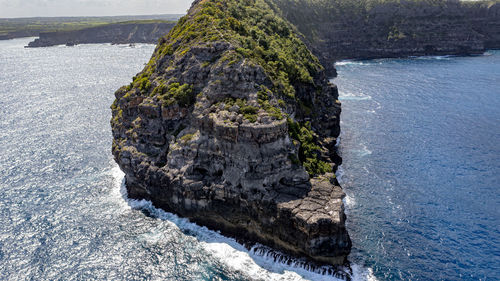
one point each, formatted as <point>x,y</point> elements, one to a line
<point>368,29</point>
<point>233,124</point>
<point>116,33</point>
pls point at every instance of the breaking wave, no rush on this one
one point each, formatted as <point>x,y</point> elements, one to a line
<point>343,96</point>
<point>354,62</point>
<point>259,260</point>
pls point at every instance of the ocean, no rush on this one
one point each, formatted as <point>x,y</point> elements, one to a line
<point>421,170</point>
<point>421,165</point>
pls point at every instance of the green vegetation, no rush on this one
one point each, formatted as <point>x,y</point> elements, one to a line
<point>37,26</point>
<point>262,38</point>
<point>144,21</point>
<point>24,27</point>
<point>144,84</point>
<point>249,112</point>
<point>375,19</point>
<point>229,102</point>
<point>263,96</point>
<point>187,137</point>
<point>309,151</point>
<point>175,93</point>
<point>395,34</point>
<point>258,35</point>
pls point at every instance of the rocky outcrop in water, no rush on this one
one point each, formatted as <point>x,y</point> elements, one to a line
<point>116,33</point>
<point>233,124</point>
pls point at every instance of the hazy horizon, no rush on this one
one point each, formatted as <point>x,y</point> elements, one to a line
<point>89,8</point>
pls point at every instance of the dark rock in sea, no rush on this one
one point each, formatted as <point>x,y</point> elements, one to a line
<point>116,33</point>
<point>233,124</point>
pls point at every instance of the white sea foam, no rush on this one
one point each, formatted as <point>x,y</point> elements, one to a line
<point>362,273</point>
<point>343,96</point>
<point>350,62</point>
<point>349,201</point>
<point>260,261</point>
<point>364,151</point>
<point>446,57</point>
<point>339,174</point>
<point>119,191</point>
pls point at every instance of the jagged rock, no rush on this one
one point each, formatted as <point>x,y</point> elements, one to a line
<point>213,132</point>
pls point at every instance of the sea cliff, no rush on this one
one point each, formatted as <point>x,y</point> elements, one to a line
<point>233,124</point>
<point>116,33</point>
<point>367,29</point>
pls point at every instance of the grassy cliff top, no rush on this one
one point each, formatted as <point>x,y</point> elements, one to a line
<point>310,13</point>
<point>250,39</point>
<point>256,33</point>
<point>47,24</point>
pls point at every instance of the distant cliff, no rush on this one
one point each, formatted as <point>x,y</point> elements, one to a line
<point>116,33</point>
<point>347,29</point>
<point>11,28</point>
<point>17,34</point>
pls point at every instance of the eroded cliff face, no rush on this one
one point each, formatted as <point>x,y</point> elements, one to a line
<point>366,29</point>
<point>233,124</point>
<point>116,33</point>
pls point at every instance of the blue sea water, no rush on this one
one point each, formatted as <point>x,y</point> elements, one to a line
<point>64,214</point>
<point>421,148</point>
<point>421,169</point>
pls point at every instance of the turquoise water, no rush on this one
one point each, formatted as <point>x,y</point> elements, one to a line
<point>421,149</point>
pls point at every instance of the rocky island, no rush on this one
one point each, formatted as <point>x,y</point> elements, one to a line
<point>233,124</point>
<point>147,31</point>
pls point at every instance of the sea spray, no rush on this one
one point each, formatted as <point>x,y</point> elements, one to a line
<point>256,260</point>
